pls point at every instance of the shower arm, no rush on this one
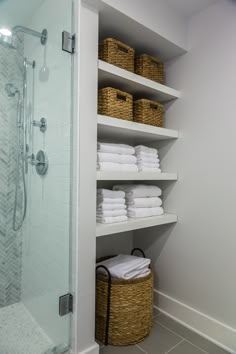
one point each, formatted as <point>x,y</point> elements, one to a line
<point>42,35</point>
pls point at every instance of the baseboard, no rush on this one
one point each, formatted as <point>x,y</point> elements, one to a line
<point>94,349</point>
<point>206,326</point>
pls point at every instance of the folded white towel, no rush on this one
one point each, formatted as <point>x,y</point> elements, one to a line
<point>149,169</point>
<point>101,213</point>
<point>149,164</point>
<point>144,212</point>
<point>111,219</point>
<point>111,207</point>
<point>107,193</point>
<point>117,158</point>
<point>142,148</point>
<point>110,201</point>
<point>110,166</point>
<point>115,148</point>
<point>145,155</point>
<point>126,267</point>
<point>138,190</point>
<point>150,202</point>
<point>148,159</point>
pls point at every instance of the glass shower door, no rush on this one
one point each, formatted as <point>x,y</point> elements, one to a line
<point>35,151</point>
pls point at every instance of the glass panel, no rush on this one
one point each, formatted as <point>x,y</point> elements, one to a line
<point>35,83</point>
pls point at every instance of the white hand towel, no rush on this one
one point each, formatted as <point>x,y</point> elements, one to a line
<point>145,155</point>
<point>111,219</point>
<point>111,207</point>
<point>150,202</point>
<point>148,159</point>
<point>117,158</point>
<point>115,148</point>
<point>126,267</point>
<point>149,169</point>
<point>149,164</point>
<point>101,200</point>
<point>110,166</point>
<point>107,193</point>
<point>144,212</point>
<point>147,150</point>
<point>138,190</point>
<point>111,213</point>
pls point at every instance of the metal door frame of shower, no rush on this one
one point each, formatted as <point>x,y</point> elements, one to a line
<point>83,178</point>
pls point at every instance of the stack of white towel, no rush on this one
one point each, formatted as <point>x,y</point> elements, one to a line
<point>142,200</point>
<point>126,267</point>
<point>111,206</point>
<point>147,159</point>
<point>116,157</point>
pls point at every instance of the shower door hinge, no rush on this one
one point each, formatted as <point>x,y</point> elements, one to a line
<point>68,42</point>
<point>65,304</point>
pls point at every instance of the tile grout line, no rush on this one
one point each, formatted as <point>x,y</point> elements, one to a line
<point>186,340</point>
<point>176,345</point>
<point>141,349</point>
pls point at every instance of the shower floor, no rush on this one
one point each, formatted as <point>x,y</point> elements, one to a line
<point>20,333</point>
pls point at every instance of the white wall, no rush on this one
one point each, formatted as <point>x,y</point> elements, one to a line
<point>157,15</point>
<point>47,238</point>
<point>195,260</point>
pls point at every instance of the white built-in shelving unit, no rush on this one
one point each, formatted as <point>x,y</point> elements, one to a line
<point>113,23</point>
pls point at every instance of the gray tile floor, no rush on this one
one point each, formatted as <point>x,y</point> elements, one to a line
<point>170,337</point>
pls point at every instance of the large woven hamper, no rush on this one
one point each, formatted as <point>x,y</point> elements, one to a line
<point>124,317</point>
<point>117,53</point>
<point>115,103</point>
<point>149,67</point>
<point>148,112</point>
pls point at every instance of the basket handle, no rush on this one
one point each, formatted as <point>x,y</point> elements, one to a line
<point>138,249</point>
<point>108,302</point>
<point>155,63</point>
<point>122,47</point>
<point>121,97</point>
<point>153,106</point>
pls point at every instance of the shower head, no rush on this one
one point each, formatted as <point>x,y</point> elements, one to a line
<point>11,90</point>
<point>6,39</point>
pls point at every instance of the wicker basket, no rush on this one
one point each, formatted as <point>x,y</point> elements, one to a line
<point>124,317</point>
<point>115,103</point>
<point>117,53</point>
<point>148,112</point>
<point>149,67</point>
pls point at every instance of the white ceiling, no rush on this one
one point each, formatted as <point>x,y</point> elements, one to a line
<point>190,7</point>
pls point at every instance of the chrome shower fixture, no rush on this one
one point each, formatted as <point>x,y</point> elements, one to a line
<point>11,90</point>
<point>8,37</point>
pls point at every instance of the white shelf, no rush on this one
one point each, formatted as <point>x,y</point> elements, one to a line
<point>140,36</point>
<point>135,176</point>
<point>118,130</point>
<point>140,87</point>
<point>134,224</point>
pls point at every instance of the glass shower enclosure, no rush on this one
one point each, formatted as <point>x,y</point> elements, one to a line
<point>35,152</point>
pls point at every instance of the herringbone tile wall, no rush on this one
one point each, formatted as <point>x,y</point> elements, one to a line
<point>11,71</point>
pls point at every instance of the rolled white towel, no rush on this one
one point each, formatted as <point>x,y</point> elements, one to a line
<point>110,166</point>
<point>147,150</point>
<point>116,158</point>
<point>102,207</point>
<point>149,169</point>
<point>107,193</point>
<point>126,267</point>
<point>149,164</point>
<point>111,212</point>
<point>111,219</point>
<point>115,148</point>
<point>150,202</point>
<point>101,200</point>
<point>138,190</point>
<point>144,212</point>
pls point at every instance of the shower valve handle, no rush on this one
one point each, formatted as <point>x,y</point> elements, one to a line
<point>41,124</point>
